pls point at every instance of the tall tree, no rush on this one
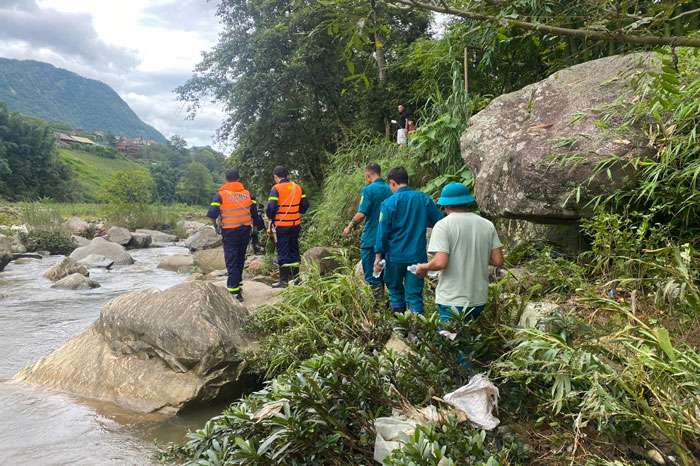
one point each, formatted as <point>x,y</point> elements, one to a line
<point>280,70</point>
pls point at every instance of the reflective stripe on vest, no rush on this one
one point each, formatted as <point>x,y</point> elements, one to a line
<point>235,206</point>
<point>288,205</point>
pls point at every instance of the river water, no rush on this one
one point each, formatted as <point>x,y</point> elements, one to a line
<point>39,426</point>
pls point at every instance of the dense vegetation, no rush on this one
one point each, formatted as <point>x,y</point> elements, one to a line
<point>57,95</point>
<point>29,164</point>
<point>610,378</point>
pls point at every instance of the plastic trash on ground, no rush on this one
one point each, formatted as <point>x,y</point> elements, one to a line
<point>388,430</point>
<point>477,399</point>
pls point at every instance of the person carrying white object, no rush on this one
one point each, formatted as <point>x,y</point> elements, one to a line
<point>463,244</point>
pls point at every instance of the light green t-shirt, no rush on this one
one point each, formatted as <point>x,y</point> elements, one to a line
<point>468,239</point>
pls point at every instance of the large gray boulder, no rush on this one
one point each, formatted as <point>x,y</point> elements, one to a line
<point>118,235</point>
<point>68,266</point>
<point>158,236</point>
<point>177,263</point>
<point>509,144</point>
<point>5,251</point>
<point>210,260</point>
<point>80,241</point>
<point>324,258</point>
<point>95,261</point>
<point>189,227</point>
<point>140,241</point>
<point>203,239</point>
<point>102,247</point>
<point>154,351</point>
<point>76,281</point>
<point>76,226</point>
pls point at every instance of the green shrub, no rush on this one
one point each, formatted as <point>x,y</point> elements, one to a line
<point>630,380</point>
<point>54,241</point>
<point>38,217</point>
<point>315,313</point>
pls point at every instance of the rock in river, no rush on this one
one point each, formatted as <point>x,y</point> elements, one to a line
<point>76,281</point>
<point>119,235</point>
<point>67,266</point>
<point>158,236</point>
<point>140,241</point>
<point>95,261</point>
<point>102,247</point>
<point>178,263</point>
<point>154,351</point>
<point>210,260</point>
<point>76,225</point>
<point>204,239</point>
<point>5,251</point>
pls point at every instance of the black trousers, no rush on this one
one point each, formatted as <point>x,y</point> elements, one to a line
<point>288,245</point>
<point>235,244</point>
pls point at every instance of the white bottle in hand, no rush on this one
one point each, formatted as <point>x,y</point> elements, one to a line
<point>382,264</point>
<point>413,268</point>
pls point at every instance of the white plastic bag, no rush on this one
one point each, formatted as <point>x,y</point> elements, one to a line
<point>477,399</point>
<point>388,430</point>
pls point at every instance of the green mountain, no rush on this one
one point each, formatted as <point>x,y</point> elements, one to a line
<point>60,96</point>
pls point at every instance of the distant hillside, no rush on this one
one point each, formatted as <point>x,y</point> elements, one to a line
<point>93,170</point>
<point>53,94</point>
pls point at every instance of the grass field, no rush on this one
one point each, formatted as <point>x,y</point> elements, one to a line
<point>93,170</point>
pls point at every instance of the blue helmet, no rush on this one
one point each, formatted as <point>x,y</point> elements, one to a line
<point>455,194</point>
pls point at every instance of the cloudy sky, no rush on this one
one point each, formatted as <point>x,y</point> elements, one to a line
<point>143,49</point>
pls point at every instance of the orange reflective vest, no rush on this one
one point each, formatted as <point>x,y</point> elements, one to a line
<point>235,206</point>
<point>288,204</point>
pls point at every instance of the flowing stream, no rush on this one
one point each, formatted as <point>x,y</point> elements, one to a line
<point>40,426</point>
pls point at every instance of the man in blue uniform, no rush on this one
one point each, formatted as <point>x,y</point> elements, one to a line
<point>284,208</point>
<point>237,208</point>
<point>373,195</point>
<point>401,241</point>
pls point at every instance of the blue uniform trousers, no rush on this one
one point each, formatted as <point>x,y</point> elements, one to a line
<point>288,245</point>
<point>368,257</point>
<point>235,244</point>
<point>404,287</point>
<point>472,313</point>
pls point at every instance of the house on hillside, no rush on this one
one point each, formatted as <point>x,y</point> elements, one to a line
<point>63,138</point>
<point>131,151</point>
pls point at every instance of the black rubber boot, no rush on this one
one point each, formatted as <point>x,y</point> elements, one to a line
<point>284,278</point>
<point>239,296</point>
<point>294,275</point>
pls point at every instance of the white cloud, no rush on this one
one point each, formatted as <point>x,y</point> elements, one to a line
<point>141,48</point>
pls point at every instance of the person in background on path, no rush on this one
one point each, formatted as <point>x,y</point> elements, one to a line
<point>401,138</point>
<point>238,212</point>
<point>284,208</point>
<point>373,195</point>
<point>463,244</point>
<point>258,226</point>
<point>410,127</point>
<point>403,221</point>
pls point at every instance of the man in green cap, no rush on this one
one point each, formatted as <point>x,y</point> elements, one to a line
<point>463,244</point>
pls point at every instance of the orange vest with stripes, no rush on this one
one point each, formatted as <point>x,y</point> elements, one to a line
<point>288,214</point>
<point>235,206</point>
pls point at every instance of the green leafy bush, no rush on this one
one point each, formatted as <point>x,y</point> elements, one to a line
<point>630,381</point>
<point>54,241</point>
<point>315,313</point>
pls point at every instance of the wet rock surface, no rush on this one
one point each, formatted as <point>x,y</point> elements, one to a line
<point>66,267</point>
<point>102,247</point>
<point>154,350</point>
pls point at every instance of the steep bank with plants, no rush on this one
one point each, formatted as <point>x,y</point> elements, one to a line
<point>609,378</point>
